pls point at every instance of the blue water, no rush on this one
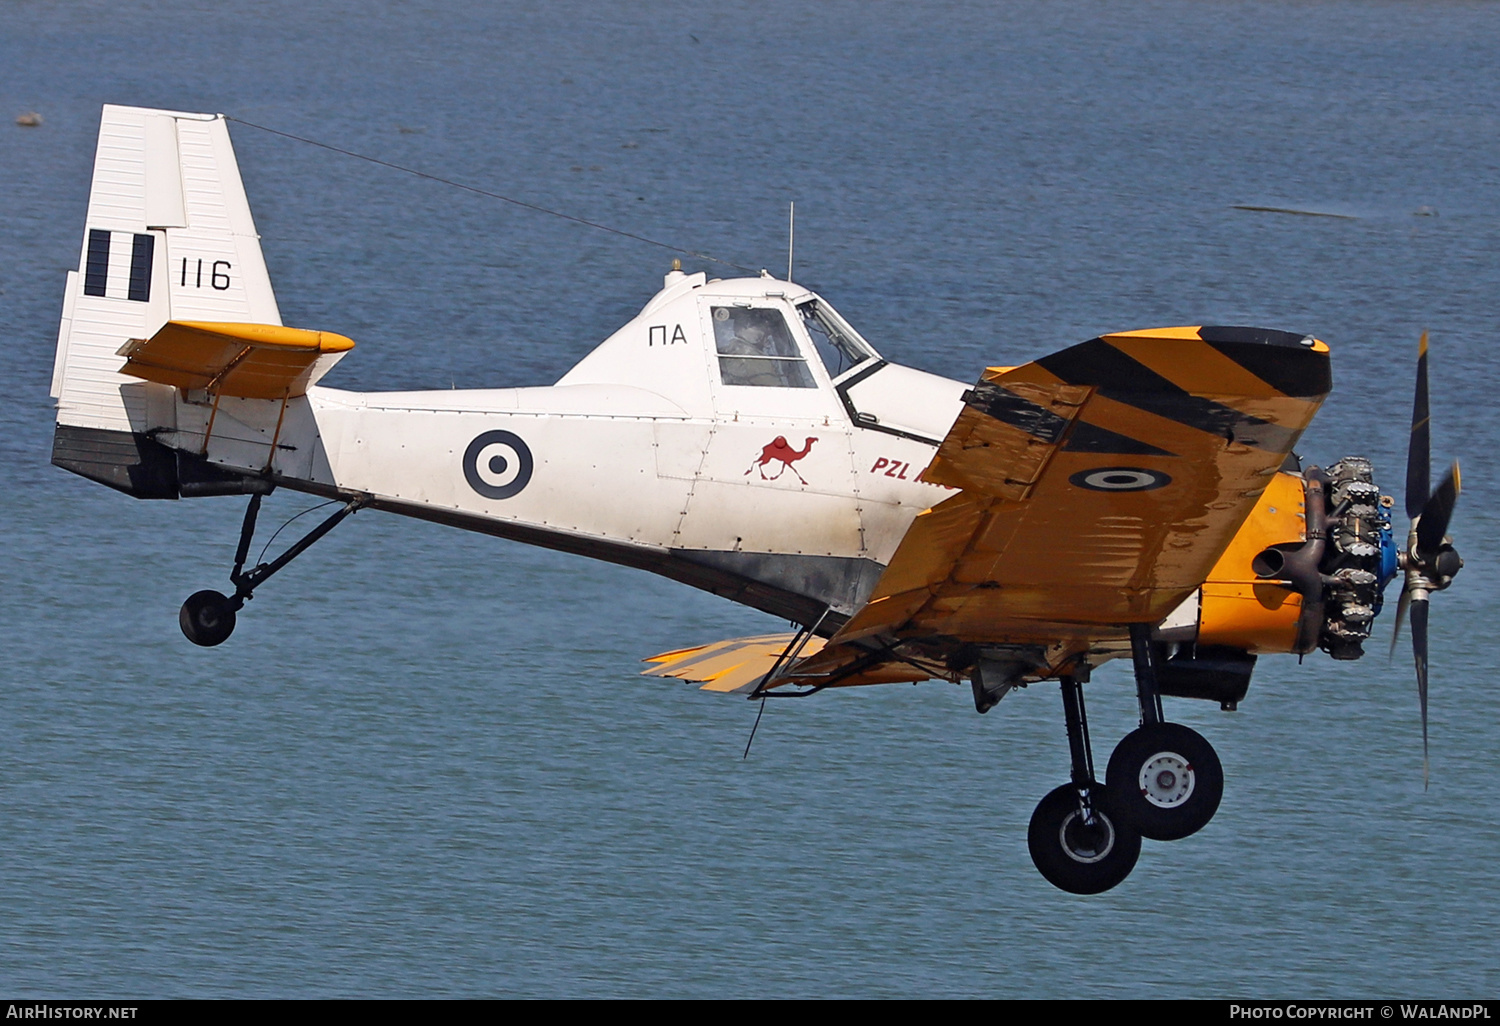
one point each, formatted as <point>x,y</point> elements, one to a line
<point>425,765</point>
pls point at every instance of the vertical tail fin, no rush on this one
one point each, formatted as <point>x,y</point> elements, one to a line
<point>169,236</point>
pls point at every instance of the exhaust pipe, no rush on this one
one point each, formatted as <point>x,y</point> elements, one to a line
<point>1301,566</point>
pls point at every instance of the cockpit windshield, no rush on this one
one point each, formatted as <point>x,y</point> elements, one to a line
<point>838,346</point>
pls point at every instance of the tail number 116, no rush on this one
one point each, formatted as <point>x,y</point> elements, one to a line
<point>217,274</point>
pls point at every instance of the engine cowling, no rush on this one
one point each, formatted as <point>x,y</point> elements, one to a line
<point>1307,570</point>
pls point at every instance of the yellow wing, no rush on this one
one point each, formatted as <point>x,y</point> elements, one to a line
<point>1100,484</point>
<point>1099,487</point>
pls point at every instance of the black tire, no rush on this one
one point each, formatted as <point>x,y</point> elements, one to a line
<point>1166,779</point>
<point>206,618</point>
<point>1075,857</point>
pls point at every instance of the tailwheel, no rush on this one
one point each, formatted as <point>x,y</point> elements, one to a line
<point>1166,780</point>
<point>1082,847</point>
<point>207,618</point>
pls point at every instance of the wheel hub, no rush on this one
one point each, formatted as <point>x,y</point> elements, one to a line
<point>1166,780</point>
<point>1085,843</point>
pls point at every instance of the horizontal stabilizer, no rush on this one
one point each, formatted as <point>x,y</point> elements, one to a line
<point>733,665</point>
<point>250,361</point>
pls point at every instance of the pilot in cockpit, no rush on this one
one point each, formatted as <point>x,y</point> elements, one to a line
<point>755,348</point>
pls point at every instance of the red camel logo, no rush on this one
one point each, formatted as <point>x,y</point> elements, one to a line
<point>780,450</point>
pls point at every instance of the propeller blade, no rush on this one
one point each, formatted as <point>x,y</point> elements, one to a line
<point>1401,608</point>
<point>1419,649</point>
<point>1419,452</point>
<point>1436,513</point>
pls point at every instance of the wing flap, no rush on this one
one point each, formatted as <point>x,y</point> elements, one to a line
<point>251,361</point>
<point>1004,437</point>
<point>740,665</point>
<point>731,665</point>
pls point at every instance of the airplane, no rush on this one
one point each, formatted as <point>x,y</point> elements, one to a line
<point>1135,496</point>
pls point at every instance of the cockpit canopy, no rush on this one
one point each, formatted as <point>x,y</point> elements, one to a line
<point>697,339</point>
<point>755,345</point>
<point>752,348</point>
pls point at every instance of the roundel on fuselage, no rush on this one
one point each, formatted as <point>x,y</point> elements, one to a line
<point>497,464</point>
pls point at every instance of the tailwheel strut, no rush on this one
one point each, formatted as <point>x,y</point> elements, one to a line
<point>207,617</point>
<point>1078,841</point>
<point>1164,777</point>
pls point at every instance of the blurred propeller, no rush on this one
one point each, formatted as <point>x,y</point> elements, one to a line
<point>1430,560</point>
<point>1419,649</point>
<point>1419,449</point>
<point>1432,522</point>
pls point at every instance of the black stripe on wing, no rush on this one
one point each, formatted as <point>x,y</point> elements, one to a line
<point>1044,425</point>
<point>1124,379</point>
<point>1282,359</point>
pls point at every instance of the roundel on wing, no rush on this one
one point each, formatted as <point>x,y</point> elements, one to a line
<point>1120,479</point>
<point>497,464</point>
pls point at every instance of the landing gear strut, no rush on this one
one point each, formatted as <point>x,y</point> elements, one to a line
<point>207,617</point>
<point>1078,840</point>
<point>1164,777</point>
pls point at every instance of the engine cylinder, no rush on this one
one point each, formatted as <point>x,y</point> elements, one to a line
<point>1353,565</point>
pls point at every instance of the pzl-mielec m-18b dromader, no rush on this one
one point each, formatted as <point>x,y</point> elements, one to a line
<point>1133,496</point>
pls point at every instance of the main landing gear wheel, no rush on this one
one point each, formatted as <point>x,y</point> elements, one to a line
<point>1074,855</point>
<point>207,618</point>
<point>1166,779</point>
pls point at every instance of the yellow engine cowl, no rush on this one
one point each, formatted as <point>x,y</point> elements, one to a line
<point>1240,610</point>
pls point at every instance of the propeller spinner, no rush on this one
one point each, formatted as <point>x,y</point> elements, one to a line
<point>1429,559</point>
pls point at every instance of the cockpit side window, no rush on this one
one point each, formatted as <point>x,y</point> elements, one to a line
<point>838,346</point>
<point>756,347</point>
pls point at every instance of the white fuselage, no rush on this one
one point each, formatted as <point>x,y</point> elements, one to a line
<point>736,435</point>
<point>643,453</point>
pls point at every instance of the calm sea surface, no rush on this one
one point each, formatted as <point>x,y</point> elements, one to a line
<point>425,764</point>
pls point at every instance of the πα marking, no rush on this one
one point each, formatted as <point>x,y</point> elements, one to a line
<point>656,335</point>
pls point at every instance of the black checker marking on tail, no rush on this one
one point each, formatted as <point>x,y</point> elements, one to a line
<point>96,267</point>
<point>140,267</point>
<point>1282,359</point>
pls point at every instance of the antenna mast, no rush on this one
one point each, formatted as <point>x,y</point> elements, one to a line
<point>791,235</point>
